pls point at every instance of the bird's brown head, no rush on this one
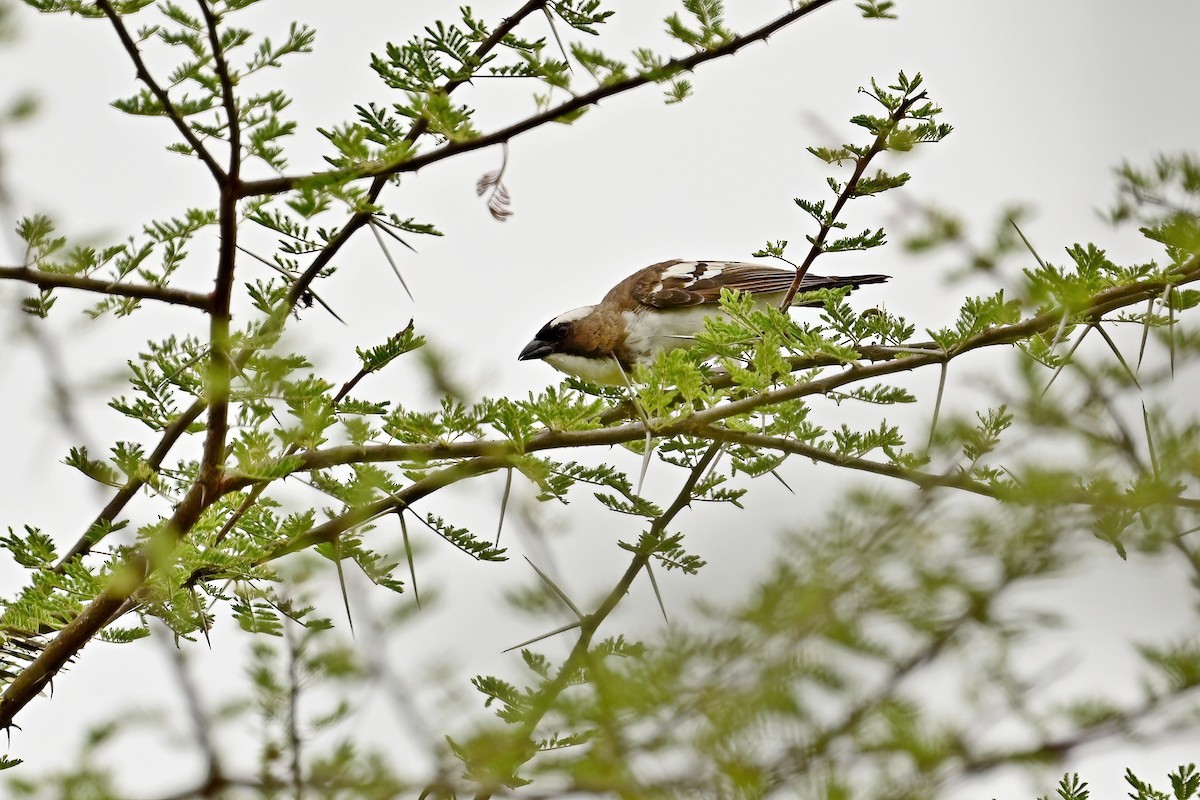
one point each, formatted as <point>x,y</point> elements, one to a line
<point>584,342</point>
<point>563,334</point>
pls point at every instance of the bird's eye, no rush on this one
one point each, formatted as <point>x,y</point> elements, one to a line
<point>553,331</point>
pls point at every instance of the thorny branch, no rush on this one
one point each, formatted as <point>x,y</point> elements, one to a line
<point>100,526</point>
<point>131,573</point>
<point>848,191</point>
<point>485,456</point>
<point>542,702</point>
<point>220,372</point>
<point>287,183</point>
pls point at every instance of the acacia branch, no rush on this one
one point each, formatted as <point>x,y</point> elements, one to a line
<point>127,576</point>
<point>540,704</point>
<point>702,422</point>
<point>220,372</point>
<point>133,572</point>
<point>848,191</point>
<point>101,524</point>
<point>925,480</point>
<point>159,93</point>
<point>287,183</point>
<point>360,218</point>
<point>146,291</point>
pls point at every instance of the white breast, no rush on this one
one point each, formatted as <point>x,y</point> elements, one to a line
<point>649,333</point>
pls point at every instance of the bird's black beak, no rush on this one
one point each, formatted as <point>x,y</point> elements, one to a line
<point>536,349</point>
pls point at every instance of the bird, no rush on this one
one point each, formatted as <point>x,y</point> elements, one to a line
<point>659,308</point>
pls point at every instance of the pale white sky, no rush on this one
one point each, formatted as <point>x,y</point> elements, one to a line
<point>1045,98</point>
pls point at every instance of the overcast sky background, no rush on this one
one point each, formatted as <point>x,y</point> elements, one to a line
<point>1045,99</point>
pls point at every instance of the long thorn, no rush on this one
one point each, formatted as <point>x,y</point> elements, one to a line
<point>1113,346</point>
<point>779,478</point>
<point>657,594</point>
<point>557,38</point>
<point>201,616</point>
<point>937,405</point>
<point>1145,331</point>
<point>337,561</point>
<point>1028,246</point>
<point>648,450</point>
<point>1150,439</point>
<point>555,588</point>
<point>504,504</point>
<point>1060,330</point>
<point>383,226</point>
<point>1170,325</point>
<point>374,226</point>
<point>555,632</point>
<point>408,553</point>
<point>1066,359</point>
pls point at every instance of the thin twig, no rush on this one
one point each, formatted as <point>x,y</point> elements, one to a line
<point>293,709</point>
<point>159,93</point>
<point>541,703</point>
<point>286,183</point>
<point>848,191</point>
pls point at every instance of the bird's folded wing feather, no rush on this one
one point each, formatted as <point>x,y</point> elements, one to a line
<point>691,283</point>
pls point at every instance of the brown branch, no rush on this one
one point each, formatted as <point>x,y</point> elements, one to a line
<point>540,704</point>
<point>397,501</point>
<point>159,93</point>
<point>860,166</point>
<point>925,480</point>
<point>127,492</point>
<point>56,280</point>
<point>287,183</point>
<point>127,577</point>
<point>419,127</point>
<point>220,372</point>
<point>898,360</point>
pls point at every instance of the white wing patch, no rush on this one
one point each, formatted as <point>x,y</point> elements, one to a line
<point>693,271</point>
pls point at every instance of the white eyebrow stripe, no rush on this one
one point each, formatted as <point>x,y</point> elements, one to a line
<point>573,315</point>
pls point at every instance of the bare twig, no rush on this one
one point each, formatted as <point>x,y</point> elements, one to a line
<point>293,710</point>
<point>202,725</point>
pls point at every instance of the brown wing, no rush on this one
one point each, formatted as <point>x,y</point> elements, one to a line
<point>678,284</point>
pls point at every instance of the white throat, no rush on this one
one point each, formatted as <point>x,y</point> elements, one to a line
<point>602,371</point>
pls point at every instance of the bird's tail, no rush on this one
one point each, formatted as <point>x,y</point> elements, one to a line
<point>814,282</point>
<point>811,283</point>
